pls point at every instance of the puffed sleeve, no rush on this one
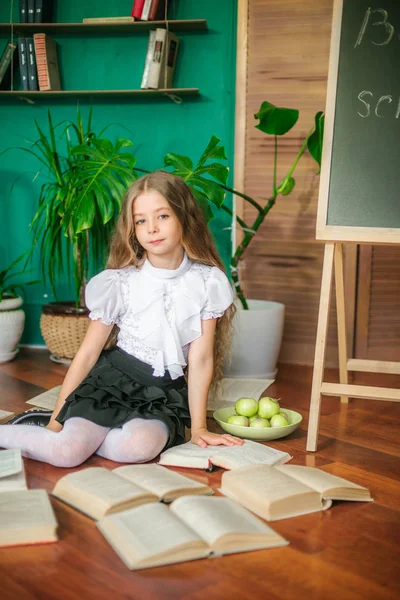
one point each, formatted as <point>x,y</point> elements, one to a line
<point>103,297</point>
<point>219,294</point>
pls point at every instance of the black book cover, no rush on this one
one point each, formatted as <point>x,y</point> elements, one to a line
<point>23,63</point>
<point>31,11</point>
<point>7,66</point>
<point>44,11</point>
<point>32,70</point>
<point>23,11</point>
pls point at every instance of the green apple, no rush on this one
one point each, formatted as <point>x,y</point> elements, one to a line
<point>279,421</point>
<point>268,407</point>
<point>284,415</point>
<point>246,407</point>
<point>238,420</point>
<point>253,418</point>
<point>260,423</point>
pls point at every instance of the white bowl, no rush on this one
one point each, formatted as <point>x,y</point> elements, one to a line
<point>257,433</point>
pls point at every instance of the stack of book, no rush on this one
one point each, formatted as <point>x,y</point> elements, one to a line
<point>150,10</point>
<point>35,11</point>
<point>159,67</point>
<point>38,63</point>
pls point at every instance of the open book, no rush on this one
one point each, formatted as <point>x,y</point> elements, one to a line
<point>12,472</point>
<point>227,457</point>
<point>193,527</point>
<point>6,415</point>
<point>26,517</point>
<point>96,491</point>
<point>287,491</point>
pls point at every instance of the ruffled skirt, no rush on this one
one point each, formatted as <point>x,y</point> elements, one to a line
<point>120,388</point>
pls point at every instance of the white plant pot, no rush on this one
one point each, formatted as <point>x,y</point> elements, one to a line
<point>257,340</point>
<point>12,321</point>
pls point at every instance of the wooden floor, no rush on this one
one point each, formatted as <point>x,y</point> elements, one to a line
<point>348,552</point>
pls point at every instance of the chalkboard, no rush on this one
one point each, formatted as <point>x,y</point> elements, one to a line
<point>360,177</point>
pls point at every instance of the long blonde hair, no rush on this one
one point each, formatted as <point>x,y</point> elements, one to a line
<point>197,242</point>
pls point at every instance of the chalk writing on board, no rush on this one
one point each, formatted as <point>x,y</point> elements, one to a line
<point>367,98</point>
<point>389,29</point>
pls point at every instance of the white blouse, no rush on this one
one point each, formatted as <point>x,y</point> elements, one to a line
<point>159,311</point>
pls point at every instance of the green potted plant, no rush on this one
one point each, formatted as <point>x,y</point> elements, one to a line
<point>86,178</point>
<point>12,317</point>
<point>258,326</point>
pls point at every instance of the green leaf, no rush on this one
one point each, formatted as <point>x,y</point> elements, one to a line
<point>212,190</point>
<point>180,163</point>
<point>314,140</point>
<point>286,186</point>
<point>216,170</point>
<point>212,151</point>
<point>203,203</point>
<point>275,120</point>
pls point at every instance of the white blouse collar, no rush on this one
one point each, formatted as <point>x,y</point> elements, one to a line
<point>158,273</point>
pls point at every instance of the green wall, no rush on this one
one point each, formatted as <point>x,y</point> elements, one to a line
<point>156,126</point>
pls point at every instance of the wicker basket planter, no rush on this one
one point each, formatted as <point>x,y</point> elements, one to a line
<point>63,328</point>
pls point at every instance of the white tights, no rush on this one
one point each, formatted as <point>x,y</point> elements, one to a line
<point>139,440</point>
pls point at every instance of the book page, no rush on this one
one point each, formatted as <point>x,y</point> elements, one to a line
<point>5,415</point>
<point>212,518</point>
<point>156,479</point>
<point>319,480</point>
<point>250,453</point>
<point>149,530</point>
<point>10,462</point>
<point>233,388</point>
<point>99,482</point>
<point>188,455</point>
<point>25,509</point>
<point>46,400</point>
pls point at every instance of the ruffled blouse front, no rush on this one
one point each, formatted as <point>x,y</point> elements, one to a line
<point>159,311</point>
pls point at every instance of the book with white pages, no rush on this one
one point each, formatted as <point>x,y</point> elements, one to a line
<point>47,399</point>
<point>5,415</point>
<point>228,457</point>
<point>193,527</point>
<point>12,472</point>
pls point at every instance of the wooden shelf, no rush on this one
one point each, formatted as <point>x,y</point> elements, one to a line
<point>54,94</point>
<point>99,28</point>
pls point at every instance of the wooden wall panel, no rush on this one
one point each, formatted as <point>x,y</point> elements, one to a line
<point>288,52</point>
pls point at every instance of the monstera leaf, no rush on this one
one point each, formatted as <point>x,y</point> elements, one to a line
<point>314,140</point>
<point>275,120</point>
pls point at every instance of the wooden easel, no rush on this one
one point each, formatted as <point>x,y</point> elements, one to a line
<point>333,260</point>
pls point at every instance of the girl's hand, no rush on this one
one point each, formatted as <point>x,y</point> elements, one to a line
<point>202,438</point>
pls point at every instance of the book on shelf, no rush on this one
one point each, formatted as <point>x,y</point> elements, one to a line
<point>193,527</point>
<point>31,11</point>
<point>23,11</point>
<point>26,517</point>
<point>96,491</point>
<point>150,10</point>
<point>7,65</point>
<point>116,20</point>
<point>288,491</point>
<point>32,67</point>
<point>47,62</point>
<point>148,59</point>
<point>163,63</point>
<point>44,11</point>
<point>23,63</point>
<point>227,457</point>
<point>12,472</point>
<point>137,8</point>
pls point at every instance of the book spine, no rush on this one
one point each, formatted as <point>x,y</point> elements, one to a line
<point>23,63</point>
<point>32,72</point>
<point>149,58</point>
<point>23,11</point>
<point>38,11</point>
<point>155,65</point>
<point>169,62</point>
<point>146,10</point>
<point>6,59</point>
<point>154,11</point>
<point>137,9</point>
<point>109,20</point>
<point>47,62</point>
<point>31,11</point>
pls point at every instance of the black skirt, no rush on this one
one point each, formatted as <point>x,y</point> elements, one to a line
<point>120,388</point>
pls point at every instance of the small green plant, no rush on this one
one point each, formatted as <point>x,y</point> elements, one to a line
<point>8,287</point>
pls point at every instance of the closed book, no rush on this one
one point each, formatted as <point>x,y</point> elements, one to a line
<point>164,60</point>
<point>146,10</point>
<point>44,11</point>
<point>137,8</point>
<point>149,58</point>
<point>47,62</point>
<point>7,65</point>
<point>39,11</point>
<point>31,11</point>
<point>23,11</point>
<point>109,20</point>
<point>32,69</point>
<point>158,11</point>
<point>23,63</point>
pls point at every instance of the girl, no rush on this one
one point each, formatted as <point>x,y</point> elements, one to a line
<point>165,290</point>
